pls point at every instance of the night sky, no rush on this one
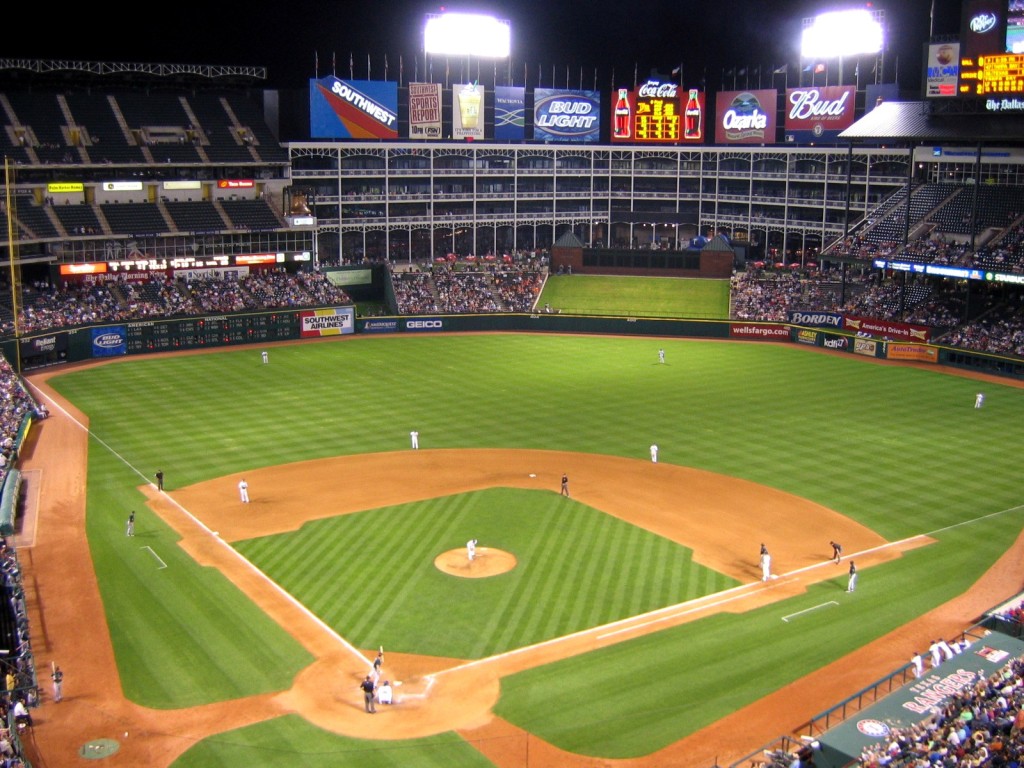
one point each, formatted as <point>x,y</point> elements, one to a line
<point>292,37</point>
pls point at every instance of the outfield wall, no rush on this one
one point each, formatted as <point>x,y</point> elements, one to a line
<point>94,342</point>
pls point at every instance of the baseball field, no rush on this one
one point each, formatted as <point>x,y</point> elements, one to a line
<point>624,625</point>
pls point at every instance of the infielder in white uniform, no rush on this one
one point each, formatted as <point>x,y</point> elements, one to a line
<point>243,490</point>
<point>654,453</point>
<point>766,566</point>
<point>414,436</point>
<point>471,549</point>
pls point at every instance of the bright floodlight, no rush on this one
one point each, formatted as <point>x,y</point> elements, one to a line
<point>467,34</point>
<point>841,33</point>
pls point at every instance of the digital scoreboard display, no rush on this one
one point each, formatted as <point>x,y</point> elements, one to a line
<point>991,52</point>
<point>992,75</point>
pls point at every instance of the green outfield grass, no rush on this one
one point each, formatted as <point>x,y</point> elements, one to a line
<point>637,296</point>
<point>901,450</point>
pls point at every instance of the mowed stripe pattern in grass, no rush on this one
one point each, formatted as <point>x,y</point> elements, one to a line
<point>577,568</point>
<point>899,449</point>
<point>637,296</point>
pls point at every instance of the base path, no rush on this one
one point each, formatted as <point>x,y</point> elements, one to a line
<point>722,519</point>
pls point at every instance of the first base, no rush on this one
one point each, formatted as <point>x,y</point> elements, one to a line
<point>532,475</point>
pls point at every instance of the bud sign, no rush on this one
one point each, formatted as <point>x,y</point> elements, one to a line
<point>818,113</point>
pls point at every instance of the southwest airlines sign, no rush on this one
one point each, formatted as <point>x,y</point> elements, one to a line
<point>353,109</point>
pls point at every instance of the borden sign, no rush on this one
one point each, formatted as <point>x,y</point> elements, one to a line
<point>745,117</point>
<point>816,114</point>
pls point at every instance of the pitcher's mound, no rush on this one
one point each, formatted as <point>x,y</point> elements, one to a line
<point>488,562</point>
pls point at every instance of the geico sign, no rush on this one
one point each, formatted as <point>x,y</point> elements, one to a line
<point>420,324</point>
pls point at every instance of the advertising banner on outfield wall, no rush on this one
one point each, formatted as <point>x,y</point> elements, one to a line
<point>762,331</point>
<point>817,319</point>
<point>327,322</point>
<point>866,347</point>
<point>108,342</point>
<point>45,345</point>
<point>424,324</point>
<point>353,109</point>
<point>888,329</point>
<point>509,113</point>
<point>918,352</point>
<point>424,111</point>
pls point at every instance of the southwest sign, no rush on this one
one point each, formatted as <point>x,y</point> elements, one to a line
<point>353,109</point>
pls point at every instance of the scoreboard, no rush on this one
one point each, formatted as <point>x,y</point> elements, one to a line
<point>216,331</point>
<point>996,75</point>
<point>990,55</point>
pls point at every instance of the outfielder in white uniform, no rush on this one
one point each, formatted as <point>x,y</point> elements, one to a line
<point>661,355</point>
<point>266,357</point>
<point>979,400</point>
<point>654,453</point>
<point>243,490</point>
<point>414,437</point>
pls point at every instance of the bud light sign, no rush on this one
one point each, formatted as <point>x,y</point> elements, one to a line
<point>566,115</point>
<point>815,114</point>
<point>745,117</point>
<point>109,342</point>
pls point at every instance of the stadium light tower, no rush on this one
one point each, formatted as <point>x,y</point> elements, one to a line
<point>467,34</point>
<point>843,35</point>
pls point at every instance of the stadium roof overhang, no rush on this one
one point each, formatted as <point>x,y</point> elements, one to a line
<point>917,122</point>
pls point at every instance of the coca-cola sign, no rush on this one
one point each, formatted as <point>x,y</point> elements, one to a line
<point>657,113</point>
<point>654,89</point>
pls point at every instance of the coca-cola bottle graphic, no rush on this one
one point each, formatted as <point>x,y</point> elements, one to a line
<point>621,128</point>
<point>692,118</point>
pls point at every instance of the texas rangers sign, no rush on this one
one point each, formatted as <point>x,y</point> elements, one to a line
<point>353,109</point>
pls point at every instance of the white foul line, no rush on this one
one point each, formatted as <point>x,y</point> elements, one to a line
<point>808,610</point>
<point>238,555</point>
<point>154,554</point>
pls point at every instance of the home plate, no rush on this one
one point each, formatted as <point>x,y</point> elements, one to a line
<point>396,682</point>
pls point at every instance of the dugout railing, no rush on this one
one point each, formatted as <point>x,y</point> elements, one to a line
<point>808,732</point>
